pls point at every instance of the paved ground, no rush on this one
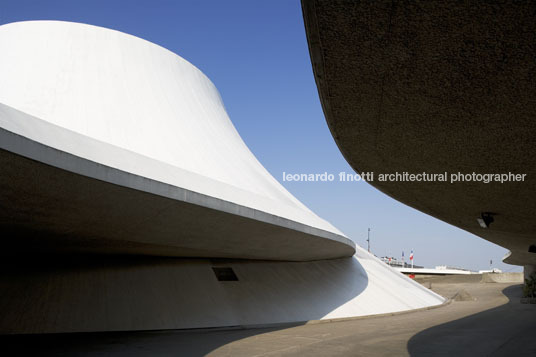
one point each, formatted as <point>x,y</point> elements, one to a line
<point>495,323</point>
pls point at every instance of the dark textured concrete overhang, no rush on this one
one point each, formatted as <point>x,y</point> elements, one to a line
<point>435,86</point>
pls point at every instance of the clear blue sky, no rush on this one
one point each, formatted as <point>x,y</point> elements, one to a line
<point>256,54</point>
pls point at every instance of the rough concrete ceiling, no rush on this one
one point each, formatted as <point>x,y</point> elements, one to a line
<point>437,87</point>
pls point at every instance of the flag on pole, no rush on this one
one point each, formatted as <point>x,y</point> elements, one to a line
<point>411,255</point>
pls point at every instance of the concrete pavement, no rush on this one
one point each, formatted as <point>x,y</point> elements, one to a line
<point>494,323</point>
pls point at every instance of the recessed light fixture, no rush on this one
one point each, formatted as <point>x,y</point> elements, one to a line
<point>485,220</point>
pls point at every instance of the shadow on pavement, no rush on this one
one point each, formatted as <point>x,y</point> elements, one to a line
<point>150,343</point>
<point>507,330</point>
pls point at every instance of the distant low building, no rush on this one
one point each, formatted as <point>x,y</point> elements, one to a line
<point>398,263</point>
<point>449,267</point>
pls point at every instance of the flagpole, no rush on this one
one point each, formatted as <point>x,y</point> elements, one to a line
<point>368,240</point>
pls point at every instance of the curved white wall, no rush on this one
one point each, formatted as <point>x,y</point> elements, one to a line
<point>109,108</point>
<point>128,92</point>
<point>173,294</point>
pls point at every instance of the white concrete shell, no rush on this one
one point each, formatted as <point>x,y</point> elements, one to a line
<point>122,110</point>
<point>154,294</point>
<point>111,144</point>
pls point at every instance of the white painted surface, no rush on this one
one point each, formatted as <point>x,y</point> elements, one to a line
<point>176,293</point>
<point>130,93</point>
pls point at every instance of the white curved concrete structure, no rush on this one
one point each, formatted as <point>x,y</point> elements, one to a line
<point>153,294</point>
<point>107,98</point>
<point>112,145</point>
